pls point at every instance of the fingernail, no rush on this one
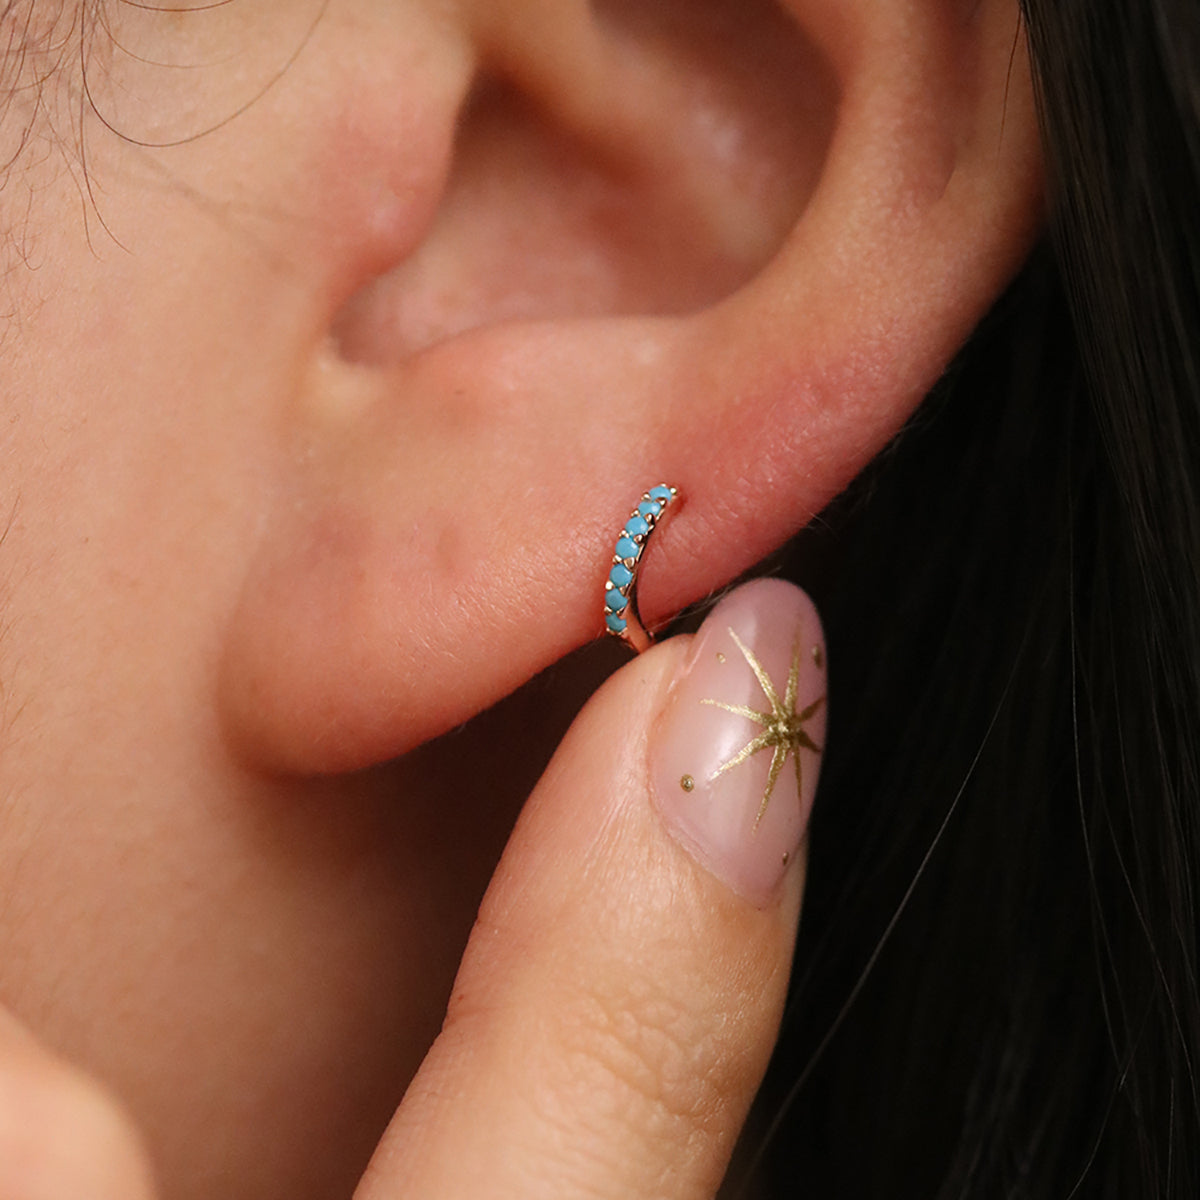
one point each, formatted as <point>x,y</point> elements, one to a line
<point>735,754</point>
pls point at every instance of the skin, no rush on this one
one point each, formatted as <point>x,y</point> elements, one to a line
<point>317,424</point>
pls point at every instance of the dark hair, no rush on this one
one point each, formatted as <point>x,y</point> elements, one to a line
<point>996,983</point>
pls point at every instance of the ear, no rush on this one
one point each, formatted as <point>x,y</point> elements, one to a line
<point>723,245</point>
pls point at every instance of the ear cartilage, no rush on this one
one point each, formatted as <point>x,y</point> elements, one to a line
<point>621,617</point>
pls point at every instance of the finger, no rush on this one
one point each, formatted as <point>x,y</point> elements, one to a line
<point>61,1136</point>
<point>622,989</point>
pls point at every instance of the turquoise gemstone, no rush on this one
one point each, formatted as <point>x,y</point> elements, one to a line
<point>615,600</point>
<point>616,624</point>
<point>649,508</point>
<point>660,493</point>
<point>627,548</point>
<point>635,526</point>
<point>620,576</point>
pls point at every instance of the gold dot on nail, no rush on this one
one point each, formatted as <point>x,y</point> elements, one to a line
<point>687,783</point>
<point>720,656</point>
<point>787,858</point>
<point>818,657</point>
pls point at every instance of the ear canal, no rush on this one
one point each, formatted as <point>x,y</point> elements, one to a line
<point>655,177</point>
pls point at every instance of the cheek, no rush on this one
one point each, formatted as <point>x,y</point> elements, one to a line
<point>256,971</point>
<point>166,76</point>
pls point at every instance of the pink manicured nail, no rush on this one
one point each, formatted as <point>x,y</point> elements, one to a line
<point>735,756</point>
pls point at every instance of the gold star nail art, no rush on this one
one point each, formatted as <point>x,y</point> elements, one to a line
<point>783,727</point>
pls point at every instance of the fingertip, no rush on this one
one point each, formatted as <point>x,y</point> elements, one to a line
<point>736,750</point>
<point>618,1001</point>
<point>62,1136</point>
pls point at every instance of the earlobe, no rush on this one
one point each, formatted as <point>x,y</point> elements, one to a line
<point>446,534</point>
